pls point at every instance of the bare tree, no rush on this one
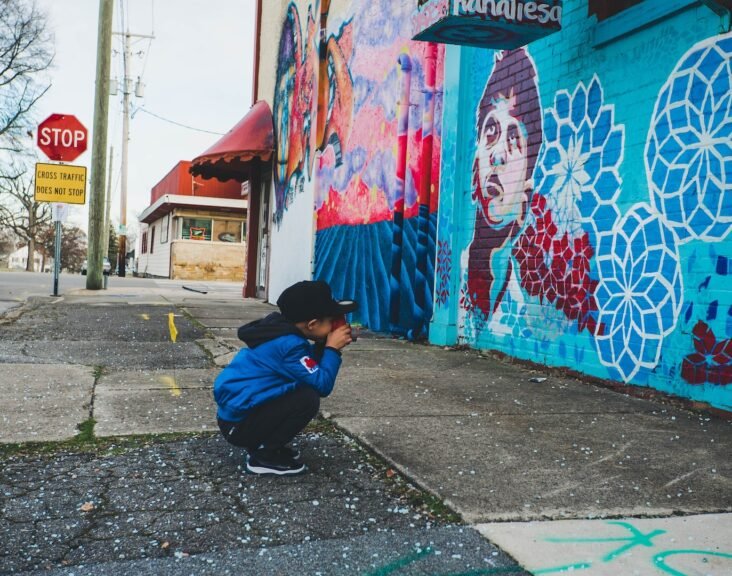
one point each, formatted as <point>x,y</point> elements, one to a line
<point>25,52</point>
<point>73,245</point>
<point>19,210</point>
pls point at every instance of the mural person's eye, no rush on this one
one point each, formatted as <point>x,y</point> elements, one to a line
<point>491,131</point>
<point>514,138</point>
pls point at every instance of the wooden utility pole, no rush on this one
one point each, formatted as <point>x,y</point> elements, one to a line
<point>108,203</point>
<point>95,251</point>
<point>126,90</point>
<point>126,94</point>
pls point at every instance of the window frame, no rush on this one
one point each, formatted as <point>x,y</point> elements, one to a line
<point>164,229</point>
<point>189,227</point>
<point>227,223</point>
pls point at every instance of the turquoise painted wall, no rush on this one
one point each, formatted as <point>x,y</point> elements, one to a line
<point>586,200</point>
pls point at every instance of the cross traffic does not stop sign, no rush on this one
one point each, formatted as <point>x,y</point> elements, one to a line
<point>62,137</point>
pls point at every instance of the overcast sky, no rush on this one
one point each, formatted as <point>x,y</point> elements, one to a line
<point>197,72</point>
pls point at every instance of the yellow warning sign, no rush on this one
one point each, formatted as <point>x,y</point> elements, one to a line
<point>60,183</point>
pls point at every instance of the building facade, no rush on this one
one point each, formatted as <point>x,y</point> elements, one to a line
<point>18,260</point>
<point>193,229</point>
<point>568,202</point>
<point>357,115</point>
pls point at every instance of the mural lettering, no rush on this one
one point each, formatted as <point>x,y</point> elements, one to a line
<point>510,10</point>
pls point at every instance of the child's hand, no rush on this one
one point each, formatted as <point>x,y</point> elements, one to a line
<point>340,337</point>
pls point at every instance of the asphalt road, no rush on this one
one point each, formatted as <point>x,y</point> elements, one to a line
<point>16,286</point>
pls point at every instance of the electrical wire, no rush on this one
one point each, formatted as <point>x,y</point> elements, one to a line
<point>141,109</point>
<point>149,42</point>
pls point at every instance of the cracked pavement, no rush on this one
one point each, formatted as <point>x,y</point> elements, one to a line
<point>180,498</point>
<point>116,502</point>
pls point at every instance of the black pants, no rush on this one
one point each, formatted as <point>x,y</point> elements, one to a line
<point>274,423</point>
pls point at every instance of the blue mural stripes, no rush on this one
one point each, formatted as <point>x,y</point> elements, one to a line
<point>357,260</point>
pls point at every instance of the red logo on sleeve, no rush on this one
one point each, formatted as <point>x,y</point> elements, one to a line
<point>310,364</point>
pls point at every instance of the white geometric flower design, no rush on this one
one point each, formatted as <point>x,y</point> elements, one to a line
<point>690,144</point>
<point>570,179</point>
<point>639,294</point>
<point>578,169</point>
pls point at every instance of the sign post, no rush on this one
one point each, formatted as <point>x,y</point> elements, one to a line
<point>60,183</point>
<point>57,257</point>
<point>63,138</point>
<point>60,212</point>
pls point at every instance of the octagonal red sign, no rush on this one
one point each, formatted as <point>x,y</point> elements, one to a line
<point>62,137</point>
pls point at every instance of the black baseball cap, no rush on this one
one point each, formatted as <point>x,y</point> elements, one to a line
<point>311,299</point>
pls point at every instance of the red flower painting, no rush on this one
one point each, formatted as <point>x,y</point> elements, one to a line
<point>712,361</point>
<point>556,267</point>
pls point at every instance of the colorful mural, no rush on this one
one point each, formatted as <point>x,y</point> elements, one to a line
<point>313,103</point>
<point>690,144</point>
<point>375,178</point>
<point>509,136</point>
<point>584,219</point>
<point>565,265</point>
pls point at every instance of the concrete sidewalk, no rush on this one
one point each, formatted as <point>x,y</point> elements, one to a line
<point>593,479</point>
<point>641,480</point>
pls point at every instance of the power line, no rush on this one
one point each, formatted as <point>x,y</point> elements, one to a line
<point>152,34</point>
<point>141,109</point>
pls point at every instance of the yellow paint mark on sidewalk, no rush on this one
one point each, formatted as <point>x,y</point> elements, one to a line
<point>170,382</point>
<point>145,316</point>
<point>171,326</point>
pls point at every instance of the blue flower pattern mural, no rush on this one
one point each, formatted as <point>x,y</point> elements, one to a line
<point>639,294</point>
<point>579,169</point>
<point>589,258</point>
<point>689,151</point>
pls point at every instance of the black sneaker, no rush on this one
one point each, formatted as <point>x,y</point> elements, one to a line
<point>290,452</point>
<point>283,451</point>
<point>273,462</point>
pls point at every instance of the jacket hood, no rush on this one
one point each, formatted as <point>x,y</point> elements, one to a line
<point>268,328</point>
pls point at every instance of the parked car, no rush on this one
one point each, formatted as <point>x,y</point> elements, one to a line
<point>107,267</point>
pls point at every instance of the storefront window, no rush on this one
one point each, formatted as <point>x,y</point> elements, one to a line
<point>196,229</point>
<point>229,230</point>
<point>164,229</point>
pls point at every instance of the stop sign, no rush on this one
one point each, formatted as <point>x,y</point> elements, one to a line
<point>62,137</point>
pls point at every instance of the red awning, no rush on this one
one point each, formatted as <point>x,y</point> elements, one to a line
<point>231,156</point>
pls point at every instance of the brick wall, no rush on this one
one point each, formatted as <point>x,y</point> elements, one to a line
<point>587,221</point>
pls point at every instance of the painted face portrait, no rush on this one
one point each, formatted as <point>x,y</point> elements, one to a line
<point>509,134</point>
<point>501,163</point>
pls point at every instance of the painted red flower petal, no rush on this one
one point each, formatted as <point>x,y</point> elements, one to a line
<point>692,372</point>
<point>696,358</point>
<point>723,352</point>
<point>704,339</point>
<point>720,375</point>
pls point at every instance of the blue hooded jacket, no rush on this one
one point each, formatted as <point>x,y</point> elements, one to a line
<point>279,357</point>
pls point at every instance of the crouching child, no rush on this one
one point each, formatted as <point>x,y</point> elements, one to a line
<point>272,389</point>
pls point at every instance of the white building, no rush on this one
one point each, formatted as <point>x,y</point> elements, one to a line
<point>18,260</point>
